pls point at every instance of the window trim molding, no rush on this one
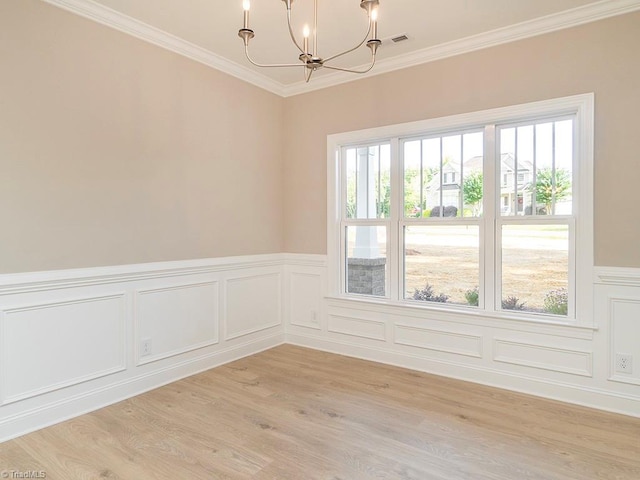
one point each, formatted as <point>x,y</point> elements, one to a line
<point>582,106</point>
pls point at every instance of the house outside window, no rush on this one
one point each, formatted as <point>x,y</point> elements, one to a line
<point>476,213</point>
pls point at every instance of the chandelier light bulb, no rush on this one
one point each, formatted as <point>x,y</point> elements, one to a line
<point>246,5</point>
<point>305,41</point>
<point>374,20</point>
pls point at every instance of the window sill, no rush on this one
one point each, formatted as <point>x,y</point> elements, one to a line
<point>465,315</point>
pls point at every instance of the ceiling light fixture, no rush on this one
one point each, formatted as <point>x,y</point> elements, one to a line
<point>310,60</point>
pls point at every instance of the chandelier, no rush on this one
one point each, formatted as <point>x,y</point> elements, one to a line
<point>309,59</point>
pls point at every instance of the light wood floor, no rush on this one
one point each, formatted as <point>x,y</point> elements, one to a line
<point>294,413</point>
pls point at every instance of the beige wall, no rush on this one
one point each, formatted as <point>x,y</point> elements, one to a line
<point>114,151</point>
<point>602,57</point>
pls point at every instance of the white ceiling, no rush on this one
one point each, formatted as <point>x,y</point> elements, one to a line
<point>206,30</point>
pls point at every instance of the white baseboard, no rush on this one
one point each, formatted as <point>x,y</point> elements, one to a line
<point>569,363</point>
<point>71,341</point>
<point>570,393</point>
<point>67,408</point>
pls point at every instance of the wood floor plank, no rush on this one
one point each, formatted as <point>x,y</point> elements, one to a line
<point>299,414</point>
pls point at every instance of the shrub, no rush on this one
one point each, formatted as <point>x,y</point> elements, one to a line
<point>426,295</point>
<point>557,301</point>
<point>472,296</point>
<point>512,303</point>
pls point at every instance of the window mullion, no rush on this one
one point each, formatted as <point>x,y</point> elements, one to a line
<point>395,242</point>
<point>489,266</point>
<point>461,179</point>
<point>440,203</point>
<point>338,281</point>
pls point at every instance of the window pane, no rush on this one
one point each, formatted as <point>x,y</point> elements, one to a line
<point>473,150</point>
<point>431,175</point>
<point>516,170</point>
<point>451,175</point>
<point>554,167</point>
<point>366,260</point>
<point>413,202</point>
<point>535,266</point>
<point>443,176</point>
<point>536,165</point>
<point>442,263</point>
<point>368,184</point>
<point>563,167</point>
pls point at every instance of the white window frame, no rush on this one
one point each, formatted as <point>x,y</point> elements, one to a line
<point>581,272</point>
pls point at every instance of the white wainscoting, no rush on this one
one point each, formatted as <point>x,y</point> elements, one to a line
<point>438,340</point>
<point>306,288</point>
<point>48,346</point>
<point>545,357</point>
<point>618,292</point>
<point>354,326</point>
<point>175,319</point>
<point>71,341</point>
<point>253,304</point>
<point>573,364</point>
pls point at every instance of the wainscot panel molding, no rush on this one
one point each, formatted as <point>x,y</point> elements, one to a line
<point>624,317</point>
<point>49,346</point>
<point>15,283</point>
<point>571,363</point>
<point>357,327</point>
<point>73,341</point>
<point>175,319</point>
<point>304,293</point>
<point>439,340</point>
<point>453,316</point>
<point>77,340</point>
<point>545,357</point>
<point>618,305</point>
<point>253,303</point>
<point>617,276</point>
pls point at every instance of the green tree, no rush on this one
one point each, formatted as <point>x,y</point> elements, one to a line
<point>552,188</point>
<point>351,197</point>
<point>383,196</point>
<point>472,190</point>
<point>411,192</point>
<point>413,207</point>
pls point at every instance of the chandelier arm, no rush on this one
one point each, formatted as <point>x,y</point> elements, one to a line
<point>293,37</point>
<point>373,62</point>
<point>351,49</point>
<point>246,52</point>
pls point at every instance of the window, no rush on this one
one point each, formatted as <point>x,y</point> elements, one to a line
<point>366,191</point>
<point>449,178</point>
<point>483,213</point>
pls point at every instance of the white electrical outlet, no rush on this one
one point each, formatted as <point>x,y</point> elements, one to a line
<point>145,347</point>
<point>314,317</point>
<point>624,363</point>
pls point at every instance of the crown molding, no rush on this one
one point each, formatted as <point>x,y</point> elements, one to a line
<point>539,26</point>
<point>520,31</point>
<point>123,23</point>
